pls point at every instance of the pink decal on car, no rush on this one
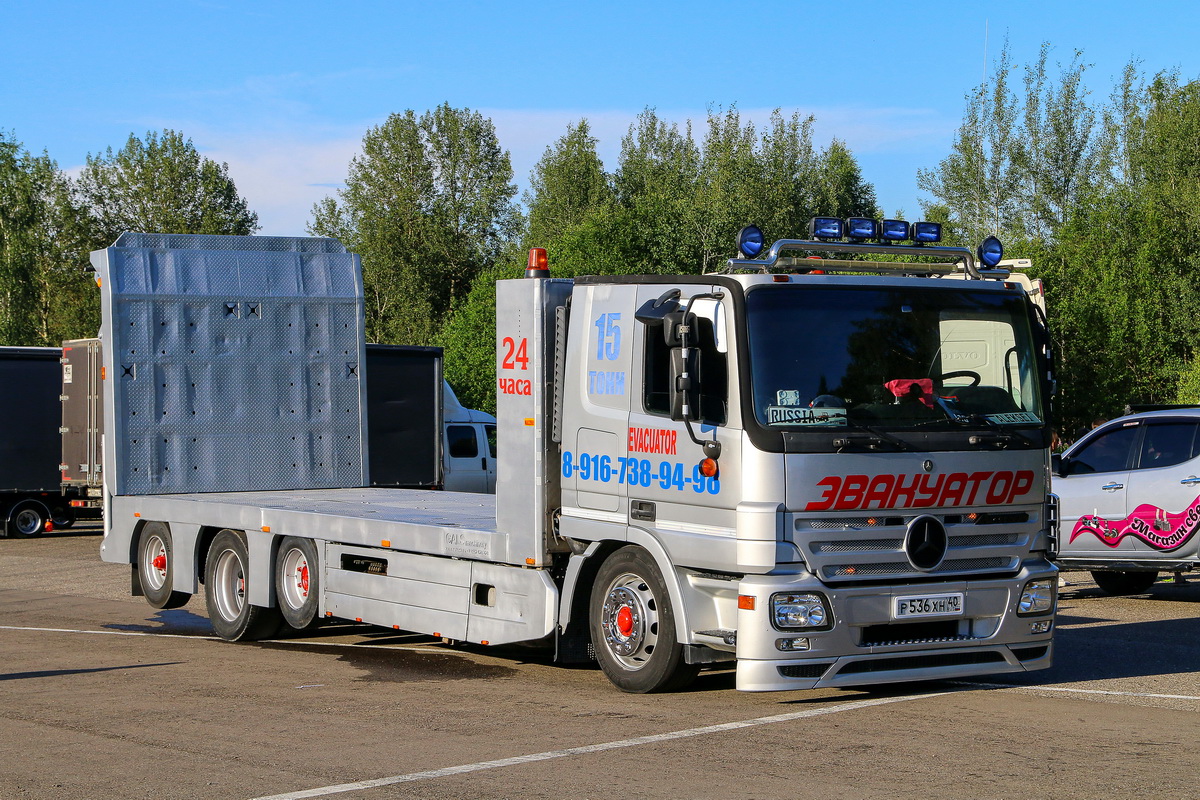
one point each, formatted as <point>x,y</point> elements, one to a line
<point>1151,524</point>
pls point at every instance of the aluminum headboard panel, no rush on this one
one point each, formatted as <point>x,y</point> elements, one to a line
<point>233,363</point>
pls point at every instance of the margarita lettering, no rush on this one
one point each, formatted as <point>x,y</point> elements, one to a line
<point>1165,532</point>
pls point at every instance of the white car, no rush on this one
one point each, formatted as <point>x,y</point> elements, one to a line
<point>1129,499</point>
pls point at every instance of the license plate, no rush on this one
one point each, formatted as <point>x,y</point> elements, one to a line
<point>928,605</point>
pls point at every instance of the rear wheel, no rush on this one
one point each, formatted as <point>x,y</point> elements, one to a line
<point>155,565</point>
<point>297,582</point>
<point>1121,583</point>
<point>633,626</point>
<point>27,518</point>
<point>63,517</point>
<point>225,592</point>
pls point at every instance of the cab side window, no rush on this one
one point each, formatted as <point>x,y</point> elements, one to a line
<point>1167,444</point>
<point>1108,452</point>
<point>712,373</point>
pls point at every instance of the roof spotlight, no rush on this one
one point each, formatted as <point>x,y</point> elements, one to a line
<point>862,228</point>
<point>894,230</point>
<point>926,232</point>
<point>750,241</point>
<point>826,228</point>
<point>990,251</point>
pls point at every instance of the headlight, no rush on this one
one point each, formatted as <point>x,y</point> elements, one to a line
<point>1037,597</point>
<point>792,611</point>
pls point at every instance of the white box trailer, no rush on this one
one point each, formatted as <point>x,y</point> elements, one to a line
<point>812,545</point>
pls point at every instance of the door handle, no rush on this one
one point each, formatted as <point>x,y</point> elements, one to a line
<point>1190,480</point>
<point>1110,487</point>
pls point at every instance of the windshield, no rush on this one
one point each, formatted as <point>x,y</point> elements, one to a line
<point>897,357</point>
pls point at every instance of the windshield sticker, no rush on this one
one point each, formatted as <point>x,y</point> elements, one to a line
<point>1153,525</point>
<point>1015,418</point>
<point>791,415</point>
<point>788,397</point>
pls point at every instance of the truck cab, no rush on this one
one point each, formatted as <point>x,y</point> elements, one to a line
<point>825,471</point>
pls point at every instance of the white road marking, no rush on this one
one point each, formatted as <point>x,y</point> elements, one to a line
<point>107,633</point>
<point>418,648</point>
<point>1075,690</point>
<point>326,791</point>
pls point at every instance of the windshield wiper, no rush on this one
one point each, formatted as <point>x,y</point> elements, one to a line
<point>1001,435</point>
<point>871,442</point>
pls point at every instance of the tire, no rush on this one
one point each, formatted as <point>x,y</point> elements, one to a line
<point>27,518</point>
<point>156,567</point>
<point>1123,583</point>
<point>63,517</point>
<point>298,582</point>
<point>225,592</point>
<point>633,626</point>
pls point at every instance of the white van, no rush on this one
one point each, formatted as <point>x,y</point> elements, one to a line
<point>468,447</point>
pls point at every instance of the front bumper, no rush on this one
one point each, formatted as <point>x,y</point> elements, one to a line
<point>866,646</point>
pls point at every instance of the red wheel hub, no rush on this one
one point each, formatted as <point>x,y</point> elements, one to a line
<point>303,575</point>
<point>160,562</point>
<point>625,621</point>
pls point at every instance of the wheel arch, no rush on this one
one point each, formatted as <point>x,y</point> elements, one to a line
<point>577,588</point>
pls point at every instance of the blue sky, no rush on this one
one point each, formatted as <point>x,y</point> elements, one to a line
<point>284,91</point>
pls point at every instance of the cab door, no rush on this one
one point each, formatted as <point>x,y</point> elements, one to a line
<point>1163,495</point>
<point>1093,492</point>
<point>690,513</point>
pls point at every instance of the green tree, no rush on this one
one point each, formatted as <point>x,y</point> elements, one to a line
<point>655,186</point>
<point>45,296</point>
<point>428,205</point>
<point>160,185</point>
<point>567,186</point>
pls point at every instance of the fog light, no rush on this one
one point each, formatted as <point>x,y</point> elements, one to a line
<point>1041,626</point>
<point>799,643</point>
<point>1037,597</point>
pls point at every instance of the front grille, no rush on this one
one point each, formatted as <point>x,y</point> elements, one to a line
<point>903,567</point>
<point>861,545</point>
<point>845,549</point>
<point>986,540</point>
<point>920,662</point>
<point>803,670</point>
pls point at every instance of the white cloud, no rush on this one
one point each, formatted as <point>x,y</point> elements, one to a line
<point>282,171</point>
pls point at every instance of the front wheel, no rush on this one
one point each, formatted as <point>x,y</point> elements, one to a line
<point>226,576</point>
<point>1122,583</point>
<point>633,626</point>
<point>298,582</point>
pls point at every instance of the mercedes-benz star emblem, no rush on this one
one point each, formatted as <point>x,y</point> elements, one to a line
<point>925,543</point>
